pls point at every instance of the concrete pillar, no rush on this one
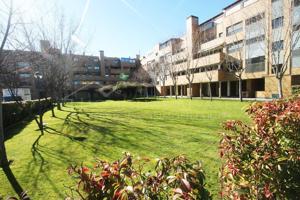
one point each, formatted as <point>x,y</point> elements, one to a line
<point>171,92</point>
<point>200,90</point>
<point>220,89</point>
<point>181,90</point>
<point>228,89</point>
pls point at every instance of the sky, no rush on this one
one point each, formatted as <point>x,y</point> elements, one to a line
<point>124,28</point>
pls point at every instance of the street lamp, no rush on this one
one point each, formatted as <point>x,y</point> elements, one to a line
<point>38,76</point>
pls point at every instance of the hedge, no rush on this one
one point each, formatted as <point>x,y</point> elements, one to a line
<point>16,112</point>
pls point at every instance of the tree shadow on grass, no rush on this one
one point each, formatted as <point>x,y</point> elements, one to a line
<point>10,132</point>
<point>83,121</point>
<point>14,183</point>
<point>79,123</point>
<point>15,129</point>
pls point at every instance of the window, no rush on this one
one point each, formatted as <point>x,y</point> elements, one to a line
<point>277,46</point>
<point>116,62</point>
<point>208,32</point>
<point>75,59</point>
<point>278,22</point>
<point>23,64</point>
<point>233,47</point>
<point>276,68</point>
<point>97,68</point>
<point>236,28</point>
<point>25,75</point>
<point>207,53</point>
<point>296,58</point>
<point>255,19</point>
<point>256,64</point>
<point>76,82</point>
<point>255,40</point>
<point>107,71</point>
<point>296,80</point>
<point>296,3</point>
<point>208,25</point>
<point>221,34</point>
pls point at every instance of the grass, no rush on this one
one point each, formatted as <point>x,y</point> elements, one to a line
<point>83,132</point>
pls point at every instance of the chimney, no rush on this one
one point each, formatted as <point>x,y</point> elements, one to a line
<point>45,46</point>
<point>192,24</point>
<point>102,63</point>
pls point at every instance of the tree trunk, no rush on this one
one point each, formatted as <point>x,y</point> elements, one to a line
<point>210,93</point>
<point>164,86</point>
<point>41,124</point>
<point>280,92</point>
<point>52,109</point>
<point>58,105</point>
<point>240,89</point>
<point>14,183</point>
<point>175,88</point>
<point>3,155</point>
<point>190,88</point>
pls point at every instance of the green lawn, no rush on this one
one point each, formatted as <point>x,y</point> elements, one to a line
<point>86,131</point>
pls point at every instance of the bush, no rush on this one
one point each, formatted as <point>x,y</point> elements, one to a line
<point>16,112</point>
<point>175,178</point>
<point>262,161</point>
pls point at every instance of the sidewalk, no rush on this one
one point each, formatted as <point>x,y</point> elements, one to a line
<point>222,98</point>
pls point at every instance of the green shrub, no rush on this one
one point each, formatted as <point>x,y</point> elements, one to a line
<point>296,90</point>
<point>16,112</point>
<point>175,178</point>
<point>262,161</point>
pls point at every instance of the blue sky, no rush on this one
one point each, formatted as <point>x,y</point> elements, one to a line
<point>125,28</point>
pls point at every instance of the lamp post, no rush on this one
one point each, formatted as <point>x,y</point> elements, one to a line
<point>38,76</point>
<point>3,156</point>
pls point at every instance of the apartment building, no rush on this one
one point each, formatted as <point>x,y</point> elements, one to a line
<point>91,73</point>
<point>87,74</point>
<point>260,36</point>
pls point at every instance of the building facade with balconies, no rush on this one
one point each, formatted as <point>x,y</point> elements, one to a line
<point>260,36</point>
<point>86,74</point>
<point>91,73</point>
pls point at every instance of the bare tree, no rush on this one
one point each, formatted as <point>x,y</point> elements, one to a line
<point>7,28</point>
<point>189,53</point>
<point>163,72</point>
<point>234,59</point>
<point>153,70</point>
<point>209,75</point>
<point>283,41</point>
<point>173,68</point>
<point>206,35</point>
<point>5,31</point>
<point>141,76</point>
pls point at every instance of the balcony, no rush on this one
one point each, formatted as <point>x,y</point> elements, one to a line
<point>203,77</point>
<point>87,77</point>
<point>115,71</point>
<point>212,59</point>
<point>213,43</point>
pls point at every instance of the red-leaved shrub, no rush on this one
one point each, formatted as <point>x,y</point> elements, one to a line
<point>175,178</point>
<point>262,159</point>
